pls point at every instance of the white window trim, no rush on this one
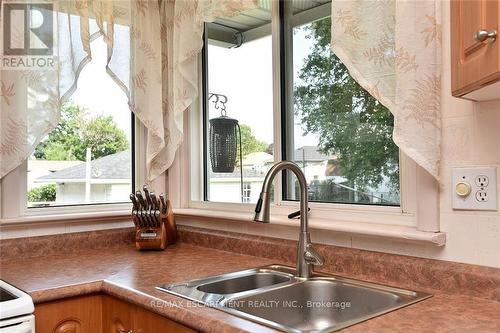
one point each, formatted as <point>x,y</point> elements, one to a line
<point>13,209</point>
<point>416,219</point>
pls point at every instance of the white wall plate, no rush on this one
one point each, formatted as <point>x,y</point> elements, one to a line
<point>474,188</point>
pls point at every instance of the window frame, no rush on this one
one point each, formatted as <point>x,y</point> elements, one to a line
<point>288,22</point>
<point>13,205</point>
<point>419,192</point>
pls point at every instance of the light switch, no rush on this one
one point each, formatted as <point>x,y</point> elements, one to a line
<point>474,188</point>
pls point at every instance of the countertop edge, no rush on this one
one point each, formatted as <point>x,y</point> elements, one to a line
<point>181,315</point>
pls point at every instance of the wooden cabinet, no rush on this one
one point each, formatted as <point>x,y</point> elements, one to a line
<point>72,315</point>
<point>475,65</point>
<point>120,316</point>
<point>116,316</point>
<point>100,313</point>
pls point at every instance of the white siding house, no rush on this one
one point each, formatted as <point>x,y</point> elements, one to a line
<point>110,180</point>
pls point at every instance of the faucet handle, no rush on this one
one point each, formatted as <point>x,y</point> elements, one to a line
<point>312,256</point>
<point>296,214</point>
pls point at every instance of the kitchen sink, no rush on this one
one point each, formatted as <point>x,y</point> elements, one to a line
<point>255,280</point>
<point>275,297</point>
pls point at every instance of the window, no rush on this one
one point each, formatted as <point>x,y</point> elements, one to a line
<point>247,192</point>
<point>239,85</point>
<point>331,127</point>
<point>335,130</point>
<point>88,158</point>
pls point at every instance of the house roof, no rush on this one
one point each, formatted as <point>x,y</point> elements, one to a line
<point>115,166</point>
<point>247,173</point>
<point>258,158</point>
<point>310,154</point>
<point>51,166</point>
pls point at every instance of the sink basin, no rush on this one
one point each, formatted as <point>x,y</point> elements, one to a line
<point>318,305</point>
<point>213,290</point>
<point>273,296</point>
<point>254,280</point>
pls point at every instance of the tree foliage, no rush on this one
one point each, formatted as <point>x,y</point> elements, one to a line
<point>76,132</point>
<point>250,144</point>
<point>349,122</point>
<point>42,193</point>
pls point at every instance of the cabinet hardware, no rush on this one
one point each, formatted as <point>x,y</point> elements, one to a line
<point>483,35</point>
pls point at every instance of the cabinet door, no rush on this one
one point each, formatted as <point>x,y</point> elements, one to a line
<point>474,64</point>
<point>73,315</point>
<point>116,316</point>
<point>149,322</point>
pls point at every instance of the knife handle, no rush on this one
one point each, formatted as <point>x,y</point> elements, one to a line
<point>163,204</point>
<point>142,203</point>
<point>135,204</point>
<point>154,201</point>
<point>146,194</point>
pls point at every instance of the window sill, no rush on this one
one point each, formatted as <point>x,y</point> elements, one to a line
<point>402,233</point>
<point>102,216</point>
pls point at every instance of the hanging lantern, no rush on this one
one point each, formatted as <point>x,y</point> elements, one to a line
<point>223,133</point>
<point>223,143</point>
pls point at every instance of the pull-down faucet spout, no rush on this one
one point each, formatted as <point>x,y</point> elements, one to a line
<point>306,254</point>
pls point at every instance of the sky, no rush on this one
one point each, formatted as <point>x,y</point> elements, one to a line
<point>98,93</point>
<point>244,75</point>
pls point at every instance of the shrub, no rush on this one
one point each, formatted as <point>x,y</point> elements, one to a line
<point>42,193</point>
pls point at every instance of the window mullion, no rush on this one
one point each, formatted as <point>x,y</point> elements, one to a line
<point>277,93</point>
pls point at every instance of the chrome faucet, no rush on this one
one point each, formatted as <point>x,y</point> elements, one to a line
<point>306,254</point>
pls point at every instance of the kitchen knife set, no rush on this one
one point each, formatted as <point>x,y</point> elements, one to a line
<point>154,220</point>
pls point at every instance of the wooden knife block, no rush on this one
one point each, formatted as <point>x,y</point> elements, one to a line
<point>151,238</point>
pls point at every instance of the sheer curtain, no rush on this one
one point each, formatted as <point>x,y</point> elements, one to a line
<point>393,50</point>
<point>152,48</point>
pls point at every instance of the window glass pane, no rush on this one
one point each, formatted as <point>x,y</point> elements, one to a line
<point>96,118</point>
<point>342,136</point>
<point>243,74</point>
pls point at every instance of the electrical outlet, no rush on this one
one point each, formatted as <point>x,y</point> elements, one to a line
<point>474,188</point>
<point>482,180</point>
<point>482,196</point>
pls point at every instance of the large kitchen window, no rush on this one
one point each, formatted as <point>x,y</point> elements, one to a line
<point>87,158</point>
<point>324,121</point>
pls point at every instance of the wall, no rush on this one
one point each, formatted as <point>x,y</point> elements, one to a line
<point>470,137</point>
<point>71,193</point>
<point>229,190</point>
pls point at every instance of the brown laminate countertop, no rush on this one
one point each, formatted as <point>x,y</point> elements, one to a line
<point>131,275</point>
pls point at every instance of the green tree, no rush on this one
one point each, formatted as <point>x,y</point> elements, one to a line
<point>349,122</point>
<point>76,132</point>
<point>250,144</point>
<point>42,193</point>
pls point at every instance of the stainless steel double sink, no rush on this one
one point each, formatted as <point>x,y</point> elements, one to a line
<point>275,297</point>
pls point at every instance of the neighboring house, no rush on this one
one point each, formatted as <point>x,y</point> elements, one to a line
<point>321,169</point>
<point>39,168</point>
<point>259,161</point>
<point>316,165</point>
<point>110,180</point>
<point>225,187</point>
